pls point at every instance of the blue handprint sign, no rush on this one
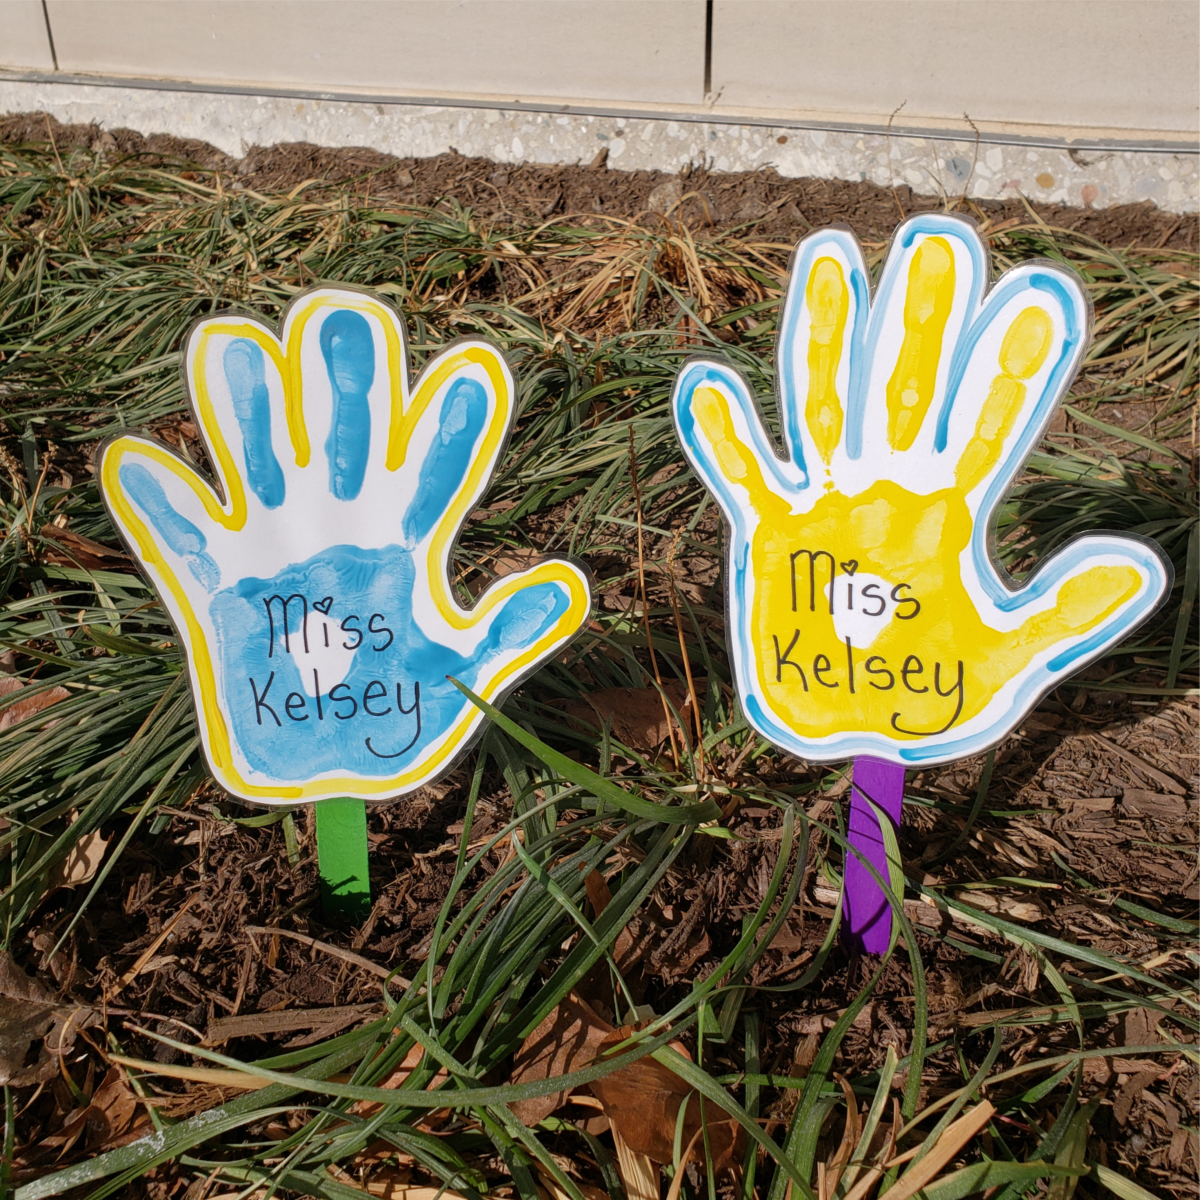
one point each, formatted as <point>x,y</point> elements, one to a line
<point>311,587</point>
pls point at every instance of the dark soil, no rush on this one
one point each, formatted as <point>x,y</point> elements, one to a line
<point>1100,782</point>
<point>776,207</point>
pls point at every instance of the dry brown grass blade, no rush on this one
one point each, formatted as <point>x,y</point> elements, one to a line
<point>549,1186</point>
<point>850,1135</point>
<point>152,949</point>
<point>639,1174</point>
<point>677,1182</point>
<point>216,1076</point>
<point>951,1143</point>
<point>394,1189</point>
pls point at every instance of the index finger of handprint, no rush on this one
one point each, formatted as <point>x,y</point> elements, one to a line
<point>820,343</point>
<point>1015,362</point>
<point>721,430</point>
<point>463,405</point>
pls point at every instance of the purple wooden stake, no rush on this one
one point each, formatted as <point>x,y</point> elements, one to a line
<point>868,914</point>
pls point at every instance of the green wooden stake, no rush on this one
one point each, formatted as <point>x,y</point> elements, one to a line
<point>342,859</point>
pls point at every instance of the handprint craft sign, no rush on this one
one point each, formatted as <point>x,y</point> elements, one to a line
<point>310,587</point>
<point>868,616</point>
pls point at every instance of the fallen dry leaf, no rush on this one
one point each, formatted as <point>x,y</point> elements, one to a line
<point>28,1011</point>
<point>26,1014</point>
<point>596,987</point>
<point>82,862</point>
<point>23,709</point>
<point>110,1116</point>
<point>635,715</point>
<point>568,1039</point>
<point>641,1101</point>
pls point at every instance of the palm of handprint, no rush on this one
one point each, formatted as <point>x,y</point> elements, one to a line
<point>866,613</point>
<point>313,595</point>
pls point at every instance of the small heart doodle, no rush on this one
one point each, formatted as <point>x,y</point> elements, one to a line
<point>323,606</point>
<point>850,567</point>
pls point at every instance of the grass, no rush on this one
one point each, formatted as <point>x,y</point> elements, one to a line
<point>103,265</point>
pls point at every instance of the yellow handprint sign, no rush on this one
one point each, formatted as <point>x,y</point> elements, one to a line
<point>867,615</point>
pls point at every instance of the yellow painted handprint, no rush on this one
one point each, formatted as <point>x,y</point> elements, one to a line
<point>867,615</point>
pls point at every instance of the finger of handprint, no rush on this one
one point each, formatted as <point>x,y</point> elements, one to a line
<point>455,427</point>
<point>1017,360</point>
<point>236,375</point>
<point>930,288</point>
<point>821,330</point>
<point>245,375</point>
<point>346,353</point>
<point>163,508</point>
<point>1088,597</point>
<point>721,430</point>
<point>524,618</point>
<point>349,352</point>
<point>463,415</point>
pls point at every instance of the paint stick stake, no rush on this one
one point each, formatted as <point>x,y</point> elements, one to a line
<point>342,859</point>
<point>867,913</point>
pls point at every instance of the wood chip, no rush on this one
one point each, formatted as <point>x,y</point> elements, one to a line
<point>148,954</point>
<point>1154,804</point>
<point>1172,785</point>
<point>337,952</point>
<point>328,1020</point>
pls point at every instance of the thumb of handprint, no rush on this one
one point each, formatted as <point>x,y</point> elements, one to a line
<point>867,612</point>
<point>310,587</point>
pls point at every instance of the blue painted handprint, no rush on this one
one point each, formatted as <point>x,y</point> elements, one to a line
<point>312,594</point>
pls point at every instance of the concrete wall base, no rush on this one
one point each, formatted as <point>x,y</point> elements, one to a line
<point>932,164</point>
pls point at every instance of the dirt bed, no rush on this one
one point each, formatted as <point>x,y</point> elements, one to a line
<point>210,930</point>
<point>524,193</point>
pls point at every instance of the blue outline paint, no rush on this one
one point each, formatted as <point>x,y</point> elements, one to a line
<point>696,373</point>
<point>1019,280</point>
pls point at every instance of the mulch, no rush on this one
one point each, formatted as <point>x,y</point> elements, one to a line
<point>1097,788</point>
<point>520,194</point>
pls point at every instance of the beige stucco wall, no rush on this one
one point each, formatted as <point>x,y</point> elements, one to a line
<point>1119,64</point>
<point>614,50</point>
<point>1067,66</point>
<point>23,39</point>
